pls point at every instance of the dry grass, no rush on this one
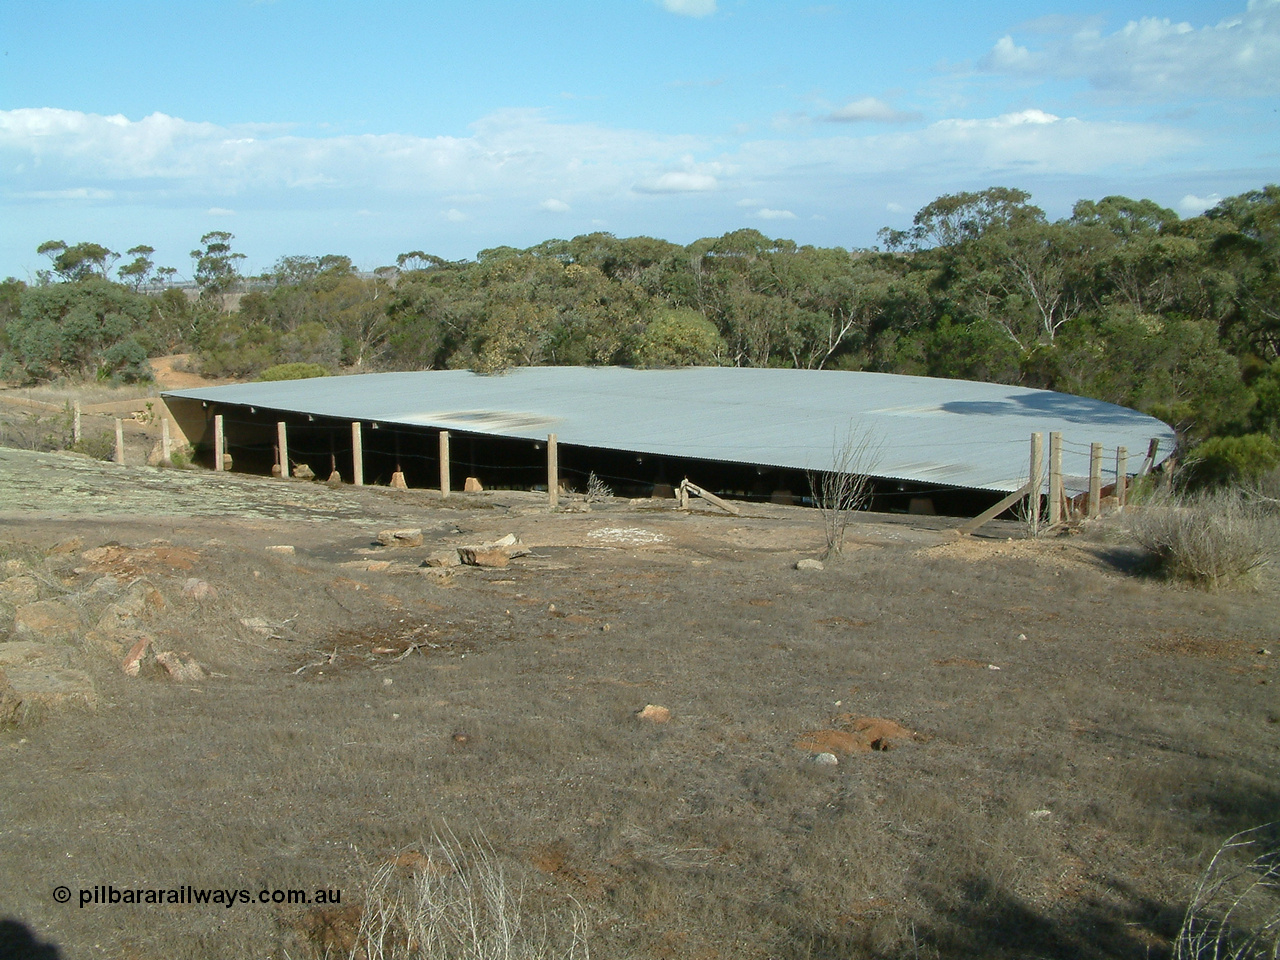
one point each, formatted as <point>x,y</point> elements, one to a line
<point>1210,540</point>
<point>1056,807</point>
<point>1235,910</point>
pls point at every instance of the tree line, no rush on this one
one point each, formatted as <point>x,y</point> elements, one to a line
<point>1123,301</point>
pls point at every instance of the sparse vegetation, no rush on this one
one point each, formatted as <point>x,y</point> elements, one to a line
<point>840,492</point>
<point>1235,909</point>
<point>597,490</point>
<point>1210,539</point>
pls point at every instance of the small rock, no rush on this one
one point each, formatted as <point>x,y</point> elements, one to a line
<point>397,481</point>
<point>46,618</point>
<point>826,759</point>
<point>20,589</point>
<point>808,563</point>
<point>132,664</point>
<point>442,558</point>
<point>477,557</point>
<point>303,472</point>
<point>181,671</point>
<point>73,545</point>
<point>652,713</point>
<point>335,479</point>
<point>409,537</point>
<point>472,486</point>
<point>285,548</point>
<point>194,589</point>
<point>1039,814</point>
<point>42,687</point>
<point>18,653</point>
<point>258,625</point>
<point>1022,636</point>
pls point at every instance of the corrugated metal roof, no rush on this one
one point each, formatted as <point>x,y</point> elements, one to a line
<point>947,432</point>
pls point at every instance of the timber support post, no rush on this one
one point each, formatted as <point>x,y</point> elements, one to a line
<point>282,440</point>
<point>75,423</point>
<point>553,470</point>
<point>1095,481</point>
<point>1152,449</point>
<point>1036,481</point>
<point>219,445</point>
<point>166,442</point>
<point>118,455</point>
<point>1055,479</point>
<point>357,454</point>
<point>687,487</point>
<point>444,463</point>
<point>1122,476</point>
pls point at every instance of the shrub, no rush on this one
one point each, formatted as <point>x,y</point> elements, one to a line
<point>462,902</point>
<point>293,371</point>
<point>1210,540</point>
<point>1220,461</point>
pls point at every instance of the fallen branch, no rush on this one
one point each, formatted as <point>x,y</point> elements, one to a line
<point>330,659</point>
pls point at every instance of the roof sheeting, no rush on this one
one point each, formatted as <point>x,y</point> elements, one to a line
<point>947,432</point>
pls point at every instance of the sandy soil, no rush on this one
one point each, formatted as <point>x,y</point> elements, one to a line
<point>1075,738</point>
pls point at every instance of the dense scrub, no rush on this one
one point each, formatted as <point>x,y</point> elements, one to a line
<point>1123,301</point>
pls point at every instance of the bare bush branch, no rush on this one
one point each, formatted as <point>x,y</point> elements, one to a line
<point>845,488</point>
<point>1210,540</point>
<point>1235,908</point>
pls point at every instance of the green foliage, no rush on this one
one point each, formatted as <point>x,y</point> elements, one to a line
<point>1230,461</point>
<point>293,371</point>
<point>216,266</point>
<point>680,338</point>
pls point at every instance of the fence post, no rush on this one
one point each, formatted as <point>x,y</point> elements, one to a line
<point>444,463</point>
<point>1095,480</point>
<point>357,454</point>
<point>1036,480</point>
<point>1055,478</point>
<point>282,438</point>
<point>166,442</point>
<point>219,441</point>
<point>1122,476</point>
<point>75,424</point>
<point>553,471</point>
<point>118,455</point>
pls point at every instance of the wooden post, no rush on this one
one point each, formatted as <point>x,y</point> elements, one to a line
<point>1122,476</point>
<point>118,456</point>
<point>357,455</point>
<point>1152,449</point>
<point>1037,480</point>
<point>444,463</point>
<point>1095,480</point>
<point>219,444</point>
<point>75,423</point>
<point>282,440</point>
<point>1055,478</point>
<point>553,471</point>
<point>166,443</point>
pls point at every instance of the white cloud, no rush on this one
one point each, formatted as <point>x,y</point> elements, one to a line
<point>895,207</point>
<point>555,206</point>
<point>749,202</point>
<point>454,215</point>
<point>220,212</point>
<point>678,181</point>
<point>690,8</point>
<point>1193,206</point>
<point>71,193</point>
<point>767,214</point>
<point>1236,57</point>
<point>869,110</point>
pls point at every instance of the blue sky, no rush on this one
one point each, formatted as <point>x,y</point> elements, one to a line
<point>372,128</point>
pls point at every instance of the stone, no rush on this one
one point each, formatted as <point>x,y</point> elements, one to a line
<point>181,671</point>
<point>18,653</point>
<point>442,558</point>
<point>195,589</point>
<point>652,713</point>
<point>808,563</point>
<point>826,759</point>
<point>20,589</point>
<point>335,479</point>
<point>258,625</point>
<point>303,472</point>
<point>132,664</point>
<point>46,618</point>
<point>408,537</point>
<point>39,687</point>
<point>479,557</point>
<point>397,481</point>
<point>472,485</point>
<point>117,619</point>
<point>285,548</point>
<point>71,545</point>
<point>10,702</point>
